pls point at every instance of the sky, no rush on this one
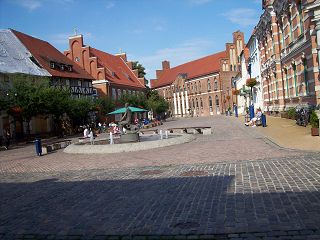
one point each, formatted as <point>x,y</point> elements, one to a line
<point>148,31</point>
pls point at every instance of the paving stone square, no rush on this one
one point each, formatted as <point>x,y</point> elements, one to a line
<point>233,184</point>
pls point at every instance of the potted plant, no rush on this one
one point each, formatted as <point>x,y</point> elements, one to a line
<point>235,92</point>
<point>314,121</point>
<point>292,113</point>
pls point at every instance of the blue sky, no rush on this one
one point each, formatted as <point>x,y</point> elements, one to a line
<point>149,31</point>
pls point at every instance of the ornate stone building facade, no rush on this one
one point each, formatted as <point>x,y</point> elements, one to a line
<point>288,49</point>
<point>201,87</point>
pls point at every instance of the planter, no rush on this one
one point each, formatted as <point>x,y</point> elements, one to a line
<point>284,115</point>
<point>314,131</point>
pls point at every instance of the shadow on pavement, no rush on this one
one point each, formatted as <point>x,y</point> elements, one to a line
<point>169,206</point>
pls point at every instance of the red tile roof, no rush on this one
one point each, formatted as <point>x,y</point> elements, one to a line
<point>117,71</point>
<point>44,52</point>
<point>196,68</point>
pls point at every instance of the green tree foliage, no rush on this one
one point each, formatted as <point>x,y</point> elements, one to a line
<point>24,96</point>
<point>156,103</point>
<point>103,106</point>
<point>137,100</point>
<point>141,69</point>
<point>79,109</point>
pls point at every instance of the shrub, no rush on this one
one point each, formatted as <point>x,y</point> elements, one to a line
<point>292,113</point>
<point>314,120</point>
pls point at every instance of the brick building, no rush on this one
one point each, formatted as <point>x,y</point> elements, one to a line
<point>204,86</point>
<point>113,74</point>
<point>289,63</point>
<point>21,53</point>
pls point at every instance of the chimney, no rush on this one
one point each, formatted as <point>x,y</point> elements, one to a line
<point>165,65</point>
<point>159,73</point>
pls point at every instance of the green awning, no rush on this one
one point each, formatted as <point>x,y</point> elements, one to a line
<point>123,110</point>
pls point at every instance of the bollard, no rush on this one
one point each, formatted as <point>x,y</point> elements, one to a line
<point>167,132</point>
<point>264,120</point>
<point>251,111</point>
<point>236,111</point>
<point>38,146</point>
<point>161,134</point>
<point>111,138</point>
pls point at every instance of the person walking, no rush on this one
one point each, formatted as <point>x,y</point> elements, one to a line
<point>6,137</point>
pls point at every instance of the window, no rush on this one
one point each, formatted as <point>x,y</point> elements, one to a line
<point>195,87</point>
<point>193,103</point>
<point>210,103</point>
<point>305,75</point>
<point>215,84</point>
<point>300,17</point>
<point>217,101</point>
<point>119,93</point>
<point>199,86</point>
<point>230,67</point>
<point>290,26</point>
<point>209,85</point>
<point>52,65</point>
<point>201,103</point>
<point>294,67</point>
<point>197,104</point>
<point>114,94</point>
<point>287,81</point>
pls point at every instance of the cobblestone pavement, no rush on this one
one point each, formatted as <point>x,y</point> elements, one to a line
<point>230,141</point>
<point>228,193</point>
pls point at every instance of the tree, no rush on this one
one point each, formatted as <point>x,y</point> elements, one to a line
<point>103,106</point>
<point>25,96</point>
<point>56,102</point>
<point>251,82</point>
<point>156,103</point>
<point>141,69</point>
<point>138,100</point>
<point>78,110</point>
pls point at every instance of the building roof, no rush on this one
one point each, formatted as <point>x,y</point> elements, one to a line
<point>193,69</point>
<point>15,58</point>
<point>44,53</point>
<point>117,71</point>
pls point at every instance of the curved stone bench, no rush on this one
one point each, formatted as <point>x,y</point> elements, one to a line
<point>128,147</point>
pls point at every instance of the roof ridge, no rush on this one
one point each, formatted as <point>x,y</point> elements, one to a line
<point>13,30</point>
<point>192,61</point>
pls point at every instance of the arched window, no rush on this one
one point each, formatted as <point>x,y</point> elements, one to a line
<point>215,84</point>
<point>230,67</point>
<point>210,103</point>
<point>195,87</point>
<point>193,103</point>
<point>199,86</point>
<point>197,104</point>
<point>201,103</point>
<point>217,101</point>
<point>209,85</point>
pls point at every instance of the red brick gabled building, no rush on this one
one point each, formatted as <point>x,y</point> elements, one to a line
<point>201,87</point>
<point>113,74</point>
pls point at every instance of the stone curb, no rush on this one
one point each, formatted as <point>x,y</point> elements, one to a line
<point>128,147</point>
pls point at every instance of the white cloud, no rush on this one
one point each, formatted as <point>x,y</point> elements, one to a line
<point>110,5</point>
<point>242,16</point>
<point>29,4</point>
<point>198,2</point>
<point>35,4</point>
<point>184,52</point>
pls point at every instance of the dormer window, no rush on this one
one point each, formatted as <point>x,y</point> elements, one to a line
<point>62,67</point>
<point>70,68</point>
<point>52,65</point>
